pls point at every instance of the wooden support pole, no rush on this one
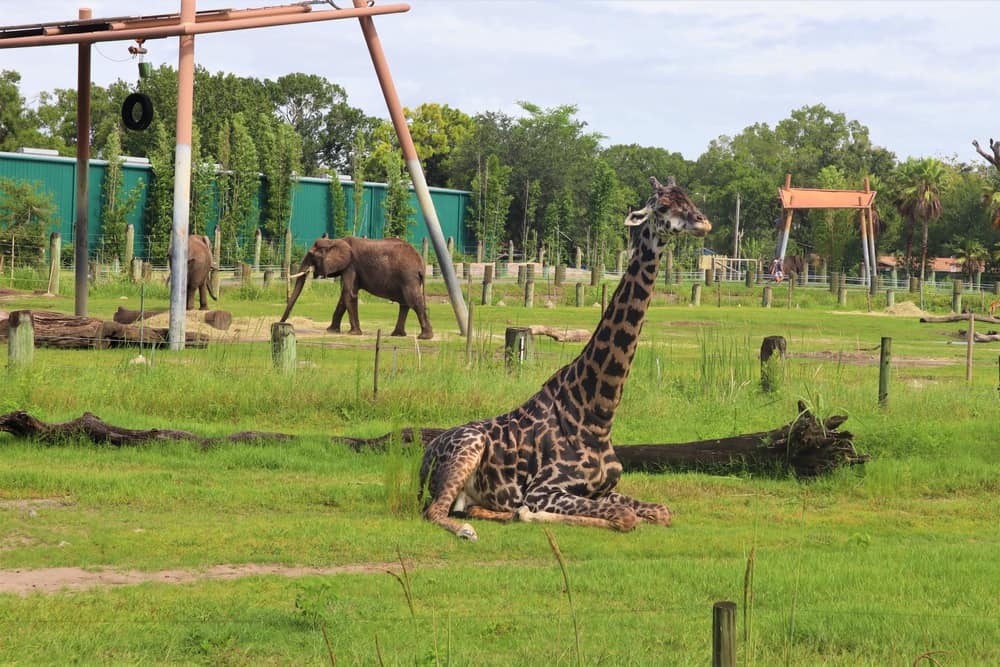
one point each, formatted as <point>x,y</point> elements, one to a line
<point>529,293</point>
<point>55,251</point>
<point>560,276</point>
<point>748,278</point>
<point>709,276</point>
<point>890,298</point>
<point>578,258</point>
<point>520,275</point>
<point>768,294</point>
<point>246,275</point>
<point>724,634</point>
<point>466,270</point>
<point>956,296</point>
<point>668,271</point>
<point>479,251</point>
<point>842,295</point>
<point>129,247</point>
<point>579,295</point>
<point>696,294</point>
<point>268,277</point>
<point>135,270</point>
<point>884,364</point>
<point>595,275</point>
<point>283,346</point>
<point>20,339</point>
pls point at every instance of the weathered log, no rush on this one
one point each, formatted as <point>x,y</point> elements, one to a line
<point>60,330</point>
<point>805,446</point>
<point>218,319</point>
<point>125,316</point>
<point>20,424</point>
<point>936,319</point>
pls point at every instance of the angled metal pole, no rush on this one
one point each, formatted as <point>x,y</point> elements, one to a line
<point>413,165</point>
<point>82,227</point>
<point>182,182</point>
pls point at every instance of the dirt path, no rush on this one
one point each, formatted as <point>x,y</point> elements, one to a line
<point>56,579</point>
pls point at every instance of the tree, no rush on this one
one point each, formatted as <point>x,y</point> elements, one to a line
<point>280,161</point>
<point>835,233</point>
<point>338,207</point>
<point>17,125</point>
<point>116,202</point>
<point>970,253</point>
<point>922,183</point>
<point>436,129</point>
<point>202,187</point>
<point>160,202</point>
<point>303,101</point>
<point>603,215</point>
<point>398,212</point>
<point>532,195</point>
<point>238,183</point>
<point>358,177</point>
<point>26,214</point>
<point>490,205</point>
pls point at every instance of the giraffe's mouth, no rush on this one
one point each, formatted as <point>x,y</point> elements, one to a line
<point>699,228</point>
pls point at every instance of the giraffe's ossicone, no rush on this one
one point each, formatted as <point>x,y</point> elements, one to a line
<point>551,458</point>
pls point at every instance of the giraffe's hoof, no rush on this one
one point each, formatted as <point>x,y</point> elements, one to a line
<point>661,517</point>
<point>467,532</point>
<point>524,514</point>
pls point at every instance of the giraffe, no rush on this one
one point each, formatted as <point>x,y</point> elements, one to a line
<point>550,460</point>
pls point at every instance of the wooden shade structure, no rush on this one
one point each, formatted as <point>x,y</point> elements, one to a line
<point>793,199</point>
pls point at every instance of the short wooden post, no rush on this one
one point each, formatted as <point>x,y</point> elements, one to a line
<point>696,294</point>
<point>709,276</point>
<point>479,251</point>
<point>765,300</point>
<point>95,273</point>
<point>55,252</point>
<point>792,279</point>
<point>595,275</point>
<point>956,296</point>
<point>20,339</point>
<point>529,271</point>
<point>834,282</point>
<point>620,262</point>
<point>136,270</point>
<point>996,286</point>
<point>519,346</point>
<point>970,338</point>
<point>147,274</point>
<point>842,295</point>
<point>258,238</point>
<point>129,246</point>
<point>578,259</point>
<point>579,295</point>
<point>560,276</point>
<point>283,346</point>
<point>748,278</point>
<point>804,276</point>
<point>520,275</point>
<point>890,298</point>
<point>246,275</point>
<point>914,284</point>
<point>286,263</point>
<point>529,293</point>
<point>772,362</point>
<point>466,270</point>
<point>510,251</point>
<point>268,277</point>
<point>378,354</point>
<point>884,364</point>
<point>724,634</point>
<point>668,271</point>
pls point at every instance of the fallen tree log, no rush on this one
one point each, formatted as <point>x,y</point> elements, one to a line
<point>805,446</point>
<point>217,319</point>
<point>561,335</point>
<point>60,330</point>
<point>20,424</point>
<point>937,319</point>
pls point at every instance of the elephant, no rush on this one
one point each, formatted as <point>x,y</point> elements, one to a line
<point>388,268</point>
<point>200,267</point>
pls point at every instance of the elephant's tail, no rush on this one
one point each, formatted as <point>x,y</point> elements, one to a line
<point>211,275</point>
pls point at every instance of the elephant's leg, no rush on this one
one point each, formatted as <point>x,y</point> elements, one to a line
<point>415,299</point>
<point>352,314</point>
<point>400,329</point>
<point>190,298</point>
<point>202,299</point>
<point>338,315</point>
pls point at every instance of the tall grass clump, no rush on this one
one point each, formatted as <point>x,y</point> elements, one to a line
<point>401,476</point>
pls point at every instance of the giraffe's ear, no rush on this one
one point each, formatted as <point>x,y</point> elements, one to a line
<point>636,218</point>
<point>671,182</point>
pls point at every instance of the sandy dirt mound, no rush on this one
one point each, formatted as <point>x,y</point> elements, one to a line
<point>905,309</point>
<point>243,329</point>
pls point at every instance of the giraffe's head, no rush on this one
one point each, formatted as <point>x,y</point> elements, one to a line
<point>670,211</point>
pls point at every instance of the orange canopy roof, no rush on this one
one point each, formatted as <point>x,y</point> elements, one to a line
<point>795,198</point>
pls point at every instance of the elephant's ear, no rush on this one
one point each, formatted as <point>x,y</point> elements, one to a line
<point>336,257</point>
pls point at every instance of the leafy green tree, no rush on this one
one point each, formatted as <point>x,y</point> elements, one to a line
<point>634,164</point>
<point>303,101</point>
<point>238,183</point>
<point>604,217</point>
<point>490,205</point>
<point>970,253</point>
<point>436,129</point>
<point>358,177</point>
<point>835,232</point>
<point>27,212</point>
<point>117,202</point>
<point>338,207</point>
<point>532,196</point>
<point>280,161</point>
<point>18,126</point>
<point>397,210</point>
<point>202,188</point>
<point>160,201</point>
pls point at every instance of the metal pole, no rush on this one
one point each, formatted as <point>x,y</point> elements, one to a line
<point>82,165</point>
<point>413,166</point>
<point>182,182</point>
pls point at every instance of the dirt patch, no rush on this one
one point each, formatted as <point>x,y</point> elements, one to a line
<point>28,504</point>
<point>243,329</point>
<point>869,359</point>
<point>901,309</point>
<point>8,294</point>
<point>56,579</point>
<point>685,323</point>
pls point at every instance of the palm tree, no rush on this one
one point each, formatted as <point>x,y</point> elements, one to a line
<point>920,198</point>
<point>970,253</point>
<point>906,173</point>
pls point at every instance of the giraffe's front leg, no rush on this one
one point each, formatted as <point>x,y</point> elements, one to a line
<point>649,512</point>
<point>450,460</point>
<point>557,506</point>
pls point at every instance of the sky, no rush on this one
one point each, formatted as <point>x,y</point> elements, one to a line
<point>920,75</point>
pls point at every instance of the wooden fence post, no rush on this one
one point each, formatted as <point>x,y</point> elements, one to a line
<point>283,346</point>
<point>560,276</point>
<point>246,274</point>
<point>595,275</point>
<point>136,270</point>
<point>696,294</point>
<point>487,285</point>
<point>724,634</point>
<point>578,258</point>
<point>55,250</point>
<point>20,339</point>
<point>129,247</point>
<point>890,298</point>
<point>768,294</point>
<point>268,276</point>
<point>579,295</point>
<point>529,293</point>
<point>884,364</point>
<point>956,296</point>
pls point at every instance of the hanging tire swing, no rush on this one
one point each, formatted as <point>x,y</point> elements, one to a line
<point>137,111</point>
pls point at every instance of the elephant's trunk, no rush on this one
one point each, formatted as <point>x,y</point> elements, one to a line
<point>299,284</point>
<point>211,275</point>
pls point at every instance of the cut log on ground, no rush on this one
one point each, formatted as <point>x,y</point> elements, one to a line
<point>805,446</point>
<point>959,318</point>
<point>20,424</point>
<point>218,319</point>
<point>61,330</point>
<point>561,335</point>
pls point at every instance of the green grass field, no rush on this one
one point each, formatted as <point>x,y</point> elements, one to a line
<point>874,565</point>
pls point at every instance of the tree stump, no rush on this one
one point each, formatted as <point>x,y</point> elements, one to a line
<point>772,362</point>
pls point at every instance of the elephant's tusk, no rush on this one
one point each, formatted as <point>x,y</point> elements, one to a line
<point>297,275</point>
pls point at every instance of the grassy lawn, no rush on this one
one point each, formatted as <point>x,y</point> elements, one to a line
<point>875,565</point>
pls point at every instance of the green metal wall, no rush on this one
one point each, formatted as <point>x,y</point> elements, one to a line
<point>310,202</point>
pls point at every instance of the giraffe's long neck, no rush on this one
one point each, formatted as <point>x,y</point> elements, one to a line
<point>589,388</point>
